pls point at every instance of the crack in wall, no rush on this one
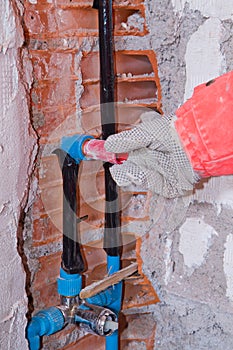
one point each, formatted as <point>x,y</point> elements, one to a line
<point>25,77</point>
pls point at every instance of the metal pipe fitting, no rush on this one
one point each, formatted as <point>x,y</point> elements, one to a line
<point>94,318</point>
<point>97,319</point>
<point>68,308</point>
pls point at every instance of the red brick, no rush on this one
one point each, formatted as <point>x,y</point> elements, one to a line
<point>90,66</point>
<point>141,327</point>
<point>58,122</point>
<point>137,80</point>
<point>129,2</point>
<point>47,296</point>
<point>50,171</point>
<point>54,93</point>
<point>137,63</point>
<point>91,119</point>
<point>127,115</point>
<point>138,292</point>
<point>50,65</point>
<point>95,211</point>
<point>48,21</point>
<point>140,92</point>
<point>45,22</point>
<point>47,225</point>
<point>52,195</point>
<point>91,167</point>
<point>96,274</point>
<point>89,342</point>
<point>44,284</point>
<point>92,186</point>
<point>75,3</point>
<point>38,21</point>
<point>94,255</point>
<point>55,340</point>
<point>144,92</point>
<point>38,207</point>
<point>129,245</point>
<point>90,96</point>
<point>121,15</point>
<point>48,270</point>
<point>45,232</point>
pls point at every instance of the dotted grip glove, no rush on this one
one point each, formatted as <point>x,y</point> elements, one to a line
<point>156,161</point>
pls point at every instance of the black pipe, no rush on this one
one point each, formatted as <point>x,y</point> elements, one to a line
<point>112,237</point>
<point>96,4</point>
<point>72,260</point>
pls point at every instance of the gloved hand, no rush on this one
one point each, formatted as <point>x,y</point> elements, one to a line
<point>156,160</point>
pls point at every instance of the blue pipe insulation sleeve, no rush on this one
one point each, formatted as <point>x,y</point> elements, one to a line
<point>69,285</point>
<point>73,145</point>
<point>44,322</point>
<point>113,265</point>
<point>111,342</point>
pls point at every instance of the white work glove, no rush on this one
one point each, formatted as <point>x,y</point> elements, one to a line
<point>156,161</point>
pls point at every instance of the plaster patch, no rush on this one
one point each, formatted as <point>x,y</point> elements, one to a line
<point>8,75</point>
<point>217,191</point>
<point>209,8</point>
<point>195,241</point>
<point>9,36</point>
<point>228,265</point>
<point>204,60</point>
<point>168,261</point>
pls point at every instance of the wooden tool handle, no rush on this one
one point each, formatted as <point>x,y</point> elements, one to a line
<point>108,281</point>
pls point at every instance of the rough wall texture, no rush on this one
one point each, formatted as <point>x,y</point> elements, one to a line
<point>191,268</point>
<point>17,154</point>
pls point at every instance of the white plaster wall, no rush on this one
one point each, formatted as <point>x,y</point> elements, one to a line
<point>191,268</point>
<point>228,266</point>
<point>204,61</point>
<point>195,241</point>
<point>17,148</point>
<point>222,9</point>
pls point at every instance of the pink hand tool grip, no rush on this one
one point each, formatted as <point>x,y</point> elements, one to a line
<point>94,149</point>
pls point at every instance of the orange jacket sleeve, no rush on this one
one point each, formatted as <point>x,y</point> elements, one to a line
<point>205,126</point>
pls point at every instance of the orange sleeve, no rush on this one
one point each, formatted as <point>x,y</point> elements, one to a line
<point>205,127</point>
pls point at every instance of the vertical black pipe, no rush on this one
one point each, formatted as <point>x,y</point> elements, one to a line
<point>72,261</point>
<point>112,237</point>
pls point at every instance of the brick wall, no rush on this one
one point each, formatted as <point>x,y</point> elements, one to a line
<point>62,40</point>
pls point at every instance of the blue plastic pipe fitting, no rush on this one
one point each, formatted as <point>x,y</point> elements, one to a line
<point>73,145</point>
<point>45,322</point>
<point>69,284</point>
<point>51,320</point>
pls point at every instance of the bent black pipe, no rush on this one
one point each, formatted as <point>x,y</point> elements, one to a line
<point>112,237</point>
<point>72,260</point>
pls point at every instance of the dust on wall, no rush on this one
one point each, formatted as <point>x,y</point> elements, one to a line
<point>17,152</point>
